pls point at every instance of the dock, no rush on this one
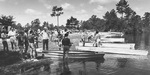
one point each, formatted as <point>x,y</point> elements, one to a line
<point>113,50</point>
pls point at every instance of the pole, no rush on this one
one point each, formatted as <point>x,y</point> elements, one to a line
<point>57,20</point>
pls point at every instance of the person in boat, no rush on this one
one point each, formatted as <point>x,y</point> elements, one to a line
<point>66,44</point>
<point>97,39</point>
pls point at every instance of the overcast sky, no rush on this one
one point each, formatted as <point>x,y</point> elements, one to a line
<point>25,11</point>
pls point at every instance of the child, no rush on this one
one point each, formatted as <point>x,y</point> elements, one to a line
<point>4,41</point>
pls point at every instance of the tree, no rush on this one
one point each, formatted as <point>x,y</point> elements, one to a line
<point>7,21</point>
<point>35,24</point>
<point>57,11</point>
<point>27,26</point>
<point>146,20</point>
<point>19,26</point>
<point>93,23</point>
<point>111,20</point>
<point>72,23</point>
<point>121,7</point>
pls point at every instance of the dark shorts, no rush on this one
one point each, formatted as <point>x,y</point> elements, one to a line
<point>66,48</point>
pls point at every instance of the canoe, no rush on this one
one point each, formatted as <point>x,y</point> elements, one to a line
<point>112,45</point>
<point>113,50</point>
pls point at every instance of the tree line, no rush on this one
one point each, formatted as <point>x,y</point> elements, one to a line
<point>129,22</point>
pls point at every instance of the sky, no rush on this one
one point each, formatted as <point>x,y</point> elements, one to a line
<point>25,11</point>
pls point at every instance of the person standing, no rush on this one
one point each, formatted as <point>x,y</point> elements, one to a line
<point>60,37</point>
<point>12,35</point>
<point>26,41</point>
<point>45,37</point>
<point>36,38</point>
<point>31,44</point>
<point>66,45</point>
<point>97,39</point>
<point>84,37</point>
<point>21,40</point>
<point>65,32</point>
<point>4,41</point>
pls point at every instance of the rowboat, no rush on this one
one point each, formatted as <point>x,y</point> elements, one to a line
<point>72,54</point>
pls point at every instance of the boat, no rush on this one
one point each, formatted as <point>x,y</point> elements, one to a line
<point>72,54</point>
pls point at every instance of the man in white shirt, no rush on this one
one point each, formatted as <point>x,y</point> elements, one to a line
<point>12,35</point>
<point>45,37</point>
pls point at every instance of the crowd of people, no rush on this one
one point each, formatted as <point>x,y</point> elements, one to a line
<point>26,41</point>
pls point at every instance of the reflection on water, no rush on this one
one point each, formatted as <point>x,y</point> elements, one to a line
<point>122,62</point>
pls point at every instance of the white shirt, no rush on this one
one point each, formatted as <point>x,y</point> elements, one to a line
<point>44,35</point>
<point>11,33</point>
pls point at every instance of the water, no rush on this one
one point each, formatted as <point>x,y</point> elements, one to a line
<point>110,64</point>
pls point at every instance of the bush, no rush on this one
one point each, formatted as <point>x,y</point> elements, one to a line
<point>9,57</point>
